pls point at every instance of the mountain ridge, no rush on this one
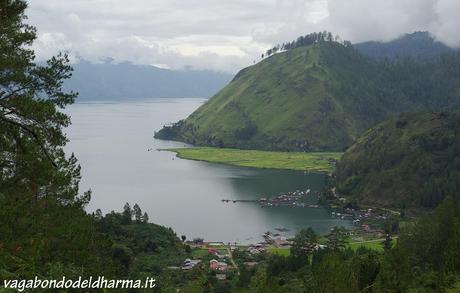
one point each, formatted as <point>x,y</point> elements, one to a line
<point>420,44</point>
<point>317,98</point>
<point>124,81</point>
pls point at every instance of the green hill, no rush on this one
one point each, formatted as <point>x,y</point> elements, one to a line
<point>412,160</point>
<point>318,97</point>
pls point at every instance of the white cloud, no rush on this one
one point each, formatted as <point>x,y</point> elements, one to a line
<point>223,35</point>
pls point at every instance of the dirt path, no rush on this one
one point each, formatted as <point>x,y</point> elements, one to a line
<point>231,259</point>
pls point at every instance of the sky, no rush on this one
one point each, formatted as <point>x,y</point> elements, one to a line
<point>223,35</point>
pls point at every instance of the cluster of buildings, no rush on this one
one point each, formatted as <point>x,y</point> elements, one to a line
<point>362,218</point>
<point>290,199</point>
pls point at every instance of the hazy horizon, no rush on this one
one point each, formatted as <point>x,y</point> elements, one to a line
<point>223,36</point>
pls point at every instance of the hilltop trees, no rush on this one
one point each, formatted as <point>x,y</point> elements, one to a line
<point>304,41</point>
<point>145,218</point>
<point>136,212</point>
<point>127,213</point>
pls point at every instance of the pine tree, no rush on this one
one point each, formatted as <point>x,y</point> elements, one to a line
<point>145,218</point>
<point>137,213</point>
<point>127,214</point>
<point>42,208</point>
<point>303,245</point>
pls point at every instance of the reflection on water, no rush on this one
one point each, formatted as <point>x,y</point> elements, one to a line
<point>112,142</point>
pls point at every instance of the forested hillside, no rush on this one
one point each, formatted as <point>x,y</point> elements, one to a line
<point>317,96</point>
<point>412,160</point>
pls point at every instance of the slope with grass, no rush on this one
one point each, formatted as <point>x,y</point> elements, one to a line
<point>313,162</point>
<point>317,98</point>
<point>412,160</point>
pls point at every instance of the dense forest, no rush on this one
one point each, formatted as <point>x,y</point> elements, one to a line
<point>410,160</point>
<point>318,97</point>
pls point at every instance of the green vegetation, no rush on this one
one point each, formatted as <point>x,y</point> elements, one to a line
<point>46,232</point>
<point>319,97</point>
<point>376,244</point>
<point>44,228</point>
<point>424,259</point>
<point>313,162</point>
<point>412,160</point>
<point>279,251</point>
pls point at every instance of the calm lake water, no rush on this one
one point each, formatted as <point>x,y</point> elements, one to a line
<point>111,141</point>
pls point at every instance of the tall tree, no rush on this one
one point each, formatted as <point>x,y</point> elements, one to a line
<point>127,213</point>
<point>336,239</point>
<point>145,218</point>
<point>43,224</point>
<point>303,245</point>
<point>137,213</point>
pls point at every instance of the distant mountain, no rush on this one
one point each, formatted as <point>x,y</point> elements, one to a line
<point>109,81</point>
<point>417,44</point>
<point>411,160</point>
<point>319,97</point>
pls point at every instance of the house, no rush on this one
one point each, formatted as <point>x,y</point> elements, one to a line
<point>216,265</point>
<point>190,263</point>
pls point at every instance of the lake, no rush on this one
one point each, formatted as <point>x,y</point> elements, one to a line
<point>120,163</point>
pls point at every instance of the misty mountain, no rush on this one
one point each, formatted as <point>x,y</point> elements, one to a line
<point>417,44</point>
<point>111,81</point>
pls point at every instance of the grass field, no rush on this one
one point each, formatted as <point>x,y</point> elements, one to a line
<point>371,244</point>
<point>279,251</point>
<point>376,244</point>
<point>313,162</point>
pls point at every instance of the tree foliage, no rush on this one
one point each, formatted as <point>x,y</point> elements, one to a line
<point>411,160</point>
<point>44,227</point>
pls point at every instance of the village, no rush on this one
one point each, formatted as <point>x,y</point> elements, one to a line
<point>294,199</point>
<point>227,258</point>
<point>223,259</point>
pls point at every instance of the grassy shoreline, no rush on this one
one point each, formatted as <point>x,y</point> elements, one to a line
<point>321,162</point>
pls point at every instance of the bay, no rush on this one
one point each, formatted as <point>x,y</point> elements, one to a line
<point>120,163</point>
